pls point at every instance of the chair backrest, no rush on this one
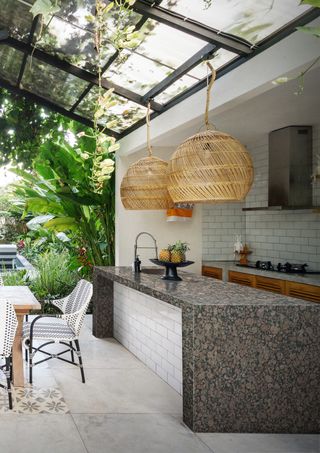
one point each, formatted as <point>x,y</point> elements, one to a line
<point>8,327</point>
<point>76,305</point>
<point>1,280</point>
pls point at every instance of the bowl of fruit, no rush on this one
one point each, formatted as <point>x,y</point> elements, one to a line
<point>172,257</point>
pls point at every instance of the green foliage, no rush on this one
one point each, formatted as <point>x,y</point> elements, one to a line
<point>315,3</point>
<point>55,279</point>
<point>45,8</point>
<point>15,278</point>
<point>180,246</point>
<point>61,186</point>
<point>24,126</point>
<point>11,227</point>
<point>314,31</point>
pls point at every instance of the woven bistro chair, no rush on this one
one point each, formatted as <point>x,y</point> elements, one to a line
<point>1,280</point>
<point>8,327</point>
<point>64,329</point>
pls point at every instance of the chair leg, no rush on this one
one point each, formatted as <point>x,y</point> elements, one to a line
<point>76,342</point>
<point>11,369</point>
<point>30,362</point>
<point>7,373</point>
<point>26,354</point>
<point>72,354</point>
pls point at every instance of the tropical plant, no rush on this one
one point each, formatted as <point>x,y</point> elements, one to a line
<point>54,277</point>
<point>11,227</point>
<point>24,126</point>
<point>61,185</point>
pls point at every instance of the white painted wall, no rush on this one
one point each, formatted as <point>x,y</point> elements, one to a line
<point>130,223</point>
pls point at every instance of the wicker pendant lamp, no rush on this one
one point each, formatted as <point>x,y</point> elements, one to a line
<point>144,186</point>
<point>210,167</point>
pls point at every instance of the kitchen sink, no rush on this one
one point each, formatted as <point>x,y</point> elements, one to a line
<point>152,271</point>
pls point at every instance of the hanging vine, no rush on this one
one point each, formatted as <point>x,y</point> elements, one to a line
<point>111,23</point>
<point>207,3</point>
<point>45,9</point>
<point>122,36</point>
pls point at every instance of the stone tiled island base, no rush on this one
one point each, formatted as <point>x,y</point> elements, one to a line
<point>250,359</point>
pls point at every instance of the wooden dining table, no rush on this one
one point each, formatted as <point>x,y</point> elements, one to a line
<point>23,301</point>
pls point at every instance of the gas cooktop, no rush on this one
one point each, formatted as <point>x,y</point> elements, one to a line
<point>288,268</point>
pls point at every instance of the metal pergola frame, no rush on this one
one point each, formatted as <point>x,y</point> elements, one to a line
<point>214,38</point>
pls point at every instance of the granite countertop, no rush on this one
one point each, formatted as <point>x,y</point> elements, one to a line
<point>309,279</point>
<point>196,290</point>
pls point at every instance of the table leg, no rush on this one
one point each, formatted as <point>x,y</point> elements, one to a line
<point>17,358</point>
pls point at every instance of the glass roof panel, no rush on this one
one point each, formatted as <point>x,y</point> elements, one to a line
<point>221,57</point>
<point>77,12</point>
<point>249,19</point>
<point>16,17</point>
<point>150,62</point>
<point>167,45</point>
<point>11,60</point>
<point>198,73</point>
<point>51,83</point>
<point>71,43</point>
<point>70,35</point>
<point>136,72</point>
<point>176,88</point>
<point>125,113</point>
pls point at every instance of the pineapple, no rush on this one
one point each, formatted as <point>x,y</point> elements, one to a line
<point>165,255</point>
<point>176,257</point>
<point>178,252</point>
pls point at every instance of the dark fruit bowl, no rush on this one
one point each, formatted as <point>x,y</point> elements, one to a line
<point>170,264</point>
<point>171,268</point>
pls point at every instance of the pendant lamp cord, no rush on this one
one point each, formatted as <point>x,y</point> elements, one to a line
<point>209,86</point>
<point>148,130</point>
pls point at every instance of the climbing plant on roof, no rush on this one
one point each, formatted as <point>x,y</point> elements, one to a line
<point>122,36</point>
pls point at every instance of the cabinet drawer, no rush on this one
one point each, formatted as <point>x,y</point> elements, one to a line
<point>213,272</point>
<point>303,291</point>
<point>271,284</point>
<point>242,279</point>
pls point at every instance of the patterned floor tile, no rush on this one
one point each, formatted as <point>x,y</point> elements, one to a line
<point>35,401</point>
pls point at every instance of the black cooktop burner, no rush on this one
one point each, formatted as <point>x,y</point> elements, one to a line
<point>287,267</point>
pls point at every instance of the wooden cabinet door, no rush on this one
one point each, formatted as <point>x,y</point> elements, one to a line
<point>271,284</point>
<point>242,279</point>
<point>303,291</point>
<point>213,272</point>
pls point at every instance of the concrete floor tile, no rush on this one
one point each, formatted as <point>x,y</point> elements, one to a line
<point>262,443</point>
<point>101,353</point>
<point>137,433</point>
<point>39,434</point>
<point>117,391</point>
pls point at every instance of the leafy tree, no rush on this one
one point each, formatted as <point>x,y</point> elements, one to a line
<point>61,185</point>
<point>25,126</point>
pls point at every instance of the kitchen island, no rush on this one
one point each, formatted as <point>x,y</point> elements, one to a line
<point>250,359</point>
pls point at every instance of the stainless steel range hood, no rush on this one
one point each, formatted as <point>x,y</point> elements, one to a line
<point>290,168</point>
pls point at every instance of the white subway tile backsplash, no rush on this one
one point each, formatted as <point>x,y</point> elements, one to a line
<point>152,330</point>
<point>274,235</point>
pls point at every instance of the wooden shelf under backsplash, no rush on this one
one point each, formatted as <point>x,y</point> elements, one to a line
<point>284,208</point>
<point>280,286</point>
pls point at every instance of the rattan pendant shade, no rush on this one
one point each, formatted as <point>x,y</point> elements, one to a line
<point>210,167</point>
<point>145,185</point>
